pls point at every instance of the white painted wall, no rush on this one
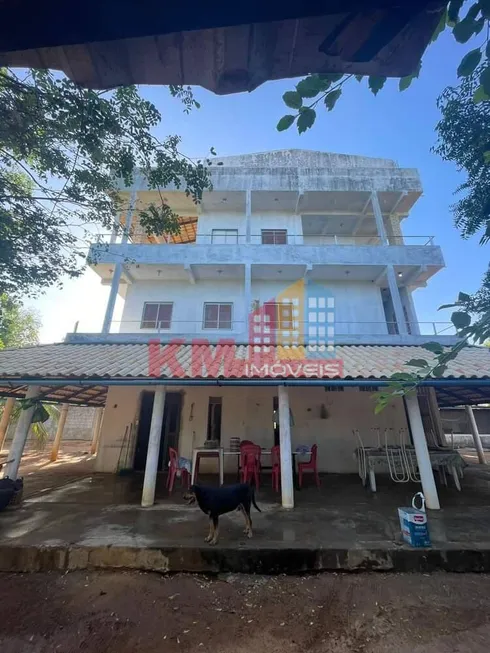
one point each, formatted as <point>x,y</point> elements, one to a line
<point>222,220</point>
<point>258,221</point>
<point>358,305</point>
<point>188,304</point>
<point>247,414</point>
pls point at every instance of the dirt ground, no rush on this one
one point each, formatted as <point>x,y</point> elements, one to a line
<point>118,612</point>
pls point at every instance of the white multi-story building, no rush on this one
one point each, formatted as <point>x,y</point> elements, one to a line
<point>284,301</point>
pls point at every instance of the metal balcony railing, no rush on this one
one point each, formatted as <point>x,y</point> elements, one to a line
<point>282,331</point>
<point>285,239</point>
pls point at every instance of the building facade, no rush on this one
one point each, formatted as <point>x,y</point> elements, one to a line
<point>282,304</point>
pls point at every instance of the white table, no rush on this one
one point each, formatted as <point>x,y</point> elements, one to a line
<point>220,453</point>
<point>205,452</point>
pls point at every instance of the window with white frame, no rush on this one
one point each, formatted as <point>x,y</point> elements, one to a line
<point>217,316</point>
<point>157,315</point>
<point>274,236</point>
<point>224,236</point>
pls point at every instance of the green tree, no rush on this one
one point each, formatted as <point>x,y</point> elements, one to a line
<point>19,326</point>
<point>62,150</point>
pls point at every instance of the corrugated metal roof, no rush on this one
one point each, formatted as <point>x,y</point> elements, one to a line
<point>187,361</point>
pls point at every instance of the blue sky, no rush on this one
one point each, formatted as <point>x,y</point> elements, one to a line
<point>394,125</point>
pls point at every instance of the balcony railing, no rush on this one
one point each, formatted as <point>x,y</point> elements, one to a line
<point>286,239</point>
<point>278,333</point>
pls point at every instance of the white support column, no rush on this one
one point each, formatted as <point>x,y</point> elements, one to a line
<point>287,488</point>
<point>21,433</point>
<point>407,298</point>
<point>4,422</point>
<point>396,300</point>
<point>59,433</point>
<point>422,452</point>
<point>248,216</point>
<point>247,309</point>
<point>118,268</point>
<point>476,435</point>
<point>378,216</point>
<point>149,483</point>
<point>97,426</point>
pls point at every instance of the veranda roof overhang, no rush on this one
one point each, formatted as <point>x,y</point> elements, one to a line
<point>223,46</point>
<point>81,374</point>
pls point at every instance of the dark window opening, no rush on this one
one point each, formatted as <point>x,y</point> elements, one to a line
<point>156,316</point>
<point>214,418</point>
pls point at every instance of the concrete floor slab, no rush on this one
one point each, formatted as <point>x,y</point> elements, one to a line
<point>96,521</point>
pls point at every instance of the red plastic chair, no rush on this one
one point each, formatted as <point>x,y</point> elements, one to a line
<point>250,463</point>
<point>310,465</point>
<point>174,468</point>
<point>276,467</point>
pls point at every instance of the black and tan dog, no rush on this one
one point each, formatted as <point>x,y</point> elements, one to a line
<point>215,501</point>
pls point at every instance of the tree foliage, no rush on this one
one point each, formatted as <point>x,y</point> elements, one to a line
<point>463,137</point>
<point>19,326</point>
<point>318,87</point>
<point>62,150</point>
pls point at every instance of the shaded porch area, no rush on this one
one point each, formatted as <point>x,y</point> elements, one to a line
<point>97,521</point>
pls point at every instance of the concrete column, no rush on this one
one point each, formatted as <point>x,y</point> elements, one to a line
<point>21,433</point>
<point>118,267</point>
<point>475,434</point>
<point>4,422</point>
<point>407,300</point>
<point>396,300</point>
<point>287,488</point>
<point>149,483</point>
<point>97,426</point>
<point>59,433</point>
<point>247,299</point>
<point>422,452</point>
<point>248,216</point>
<point>378,216</point>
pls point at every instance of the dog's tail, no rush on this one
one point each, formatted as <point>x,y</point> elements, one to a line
<point>252,497</point>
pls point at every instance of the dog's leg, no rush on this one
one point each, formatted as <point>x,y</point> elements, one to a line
<point>211,530</point>
<point>248,522</point>
<point>214,539</point>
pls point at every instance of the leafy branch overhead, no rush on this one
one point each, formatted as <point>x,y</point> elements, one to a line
<point>62,151</point>
<point>326,89</point>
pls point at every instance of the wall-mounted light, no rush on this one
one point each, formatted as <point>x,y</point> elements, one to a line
<point>400,274</point>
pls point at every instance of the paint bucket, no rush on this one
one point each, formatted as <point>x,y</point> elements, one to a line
<point>413,523</point>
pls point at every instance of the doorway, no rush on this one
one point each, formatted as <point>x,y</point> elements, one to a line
<point>170,428</point>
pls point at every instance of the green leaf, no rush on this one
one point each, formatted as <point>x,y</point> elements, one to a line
<point>439,370</point>
<point>469,62</point>
<point>310,86</point>
<point>480,96</point>
<point>434,347</point>
<point>417,362</point>
<point>380,406</point>
<point>376,83</point>
<point>331,77</point>
<point>485,80</point>
<point>465,29</point>
<point>462,296</point>
<point>405,82</point>
<point>441,26</point>
<point>485,8</point>
<point>331,98</point>
<point>359,77</point>
<point>486,156</point>
<point>292,99</point>
<point>404,376</point>
<point>487,50</point>
<point>285,123</point>
<point>306,119</point>
<point>453,10</point>
<point>460,319</point>
<point>447,306</point>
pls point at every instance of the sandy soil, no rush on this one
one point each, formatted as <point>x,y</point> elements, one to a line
<point>339,613</point>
